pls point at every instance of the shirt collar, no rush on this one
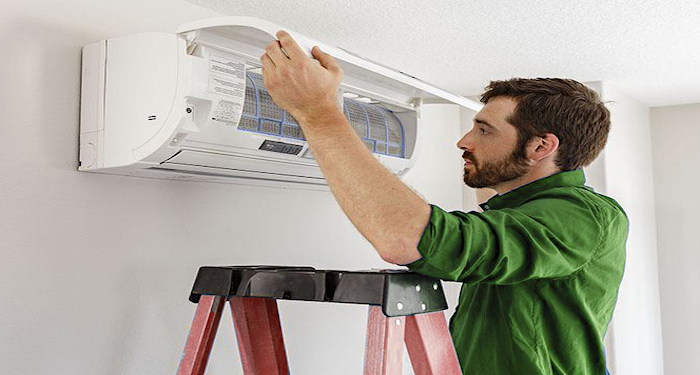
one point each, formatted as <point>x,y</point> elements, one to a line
<point>516,196</point>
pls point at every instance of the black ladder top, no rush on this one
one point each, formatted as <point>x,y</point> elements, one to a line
<point>399,293</point>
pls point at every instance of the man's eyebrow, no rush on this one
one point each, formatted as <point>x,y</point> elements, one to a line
<point>483,122</point>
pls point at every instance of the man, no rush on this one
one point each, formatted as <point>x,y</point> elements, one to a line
<point>540,266</point>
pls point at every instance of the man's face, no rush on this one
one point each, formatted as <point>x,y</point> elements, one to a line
<point>490,149</point>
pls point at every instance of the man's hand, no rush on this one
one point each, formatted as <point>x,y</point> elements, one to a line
<point>298,84</point>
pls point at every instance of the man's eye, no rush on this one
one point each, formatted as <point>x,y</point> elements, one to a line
<point>482,131</point>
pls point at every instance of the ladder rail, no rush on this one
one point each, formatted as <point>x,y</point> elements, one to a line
<point>201,336</point>
<point>385,343</point>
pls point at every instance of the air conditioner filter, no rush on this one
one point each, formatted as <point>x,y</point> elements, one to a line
<point>379,128</point>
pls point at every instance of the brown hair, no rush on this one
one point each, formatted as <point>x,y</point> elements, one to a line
<point>563,107</point>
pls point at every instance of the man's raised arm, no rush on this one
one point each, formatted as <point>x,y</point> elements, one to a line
<point>385,211</point>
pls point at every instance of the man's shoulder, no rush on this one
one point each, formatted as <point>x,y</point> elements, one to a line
<point>581,215</point>
<point>565,199</point>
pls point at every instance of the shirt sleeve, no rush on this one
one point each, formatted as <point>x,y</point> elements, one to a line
<point>546,239</point>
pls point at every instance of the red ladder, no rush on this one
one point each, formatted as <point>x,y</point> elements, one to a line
<point>403,307</point>
<point>262,350</point>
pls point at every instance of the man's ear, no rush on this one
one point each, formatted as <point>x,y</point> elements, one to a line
<point>543,146</point>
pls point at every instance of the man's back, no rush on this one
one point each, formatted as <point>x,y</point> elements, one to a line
<point>541,268</point>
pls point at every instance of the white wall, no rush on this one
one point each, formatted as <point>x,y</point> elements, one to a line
<point>676,146</point>
<point>96,269</point>
<point>623,172</point>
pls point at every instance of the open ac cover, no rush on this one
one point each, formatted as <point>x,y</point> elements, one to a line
<point>192,105</point>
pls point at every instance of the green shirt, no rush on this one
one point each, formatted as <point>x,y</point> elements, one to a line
<point>540,268</point>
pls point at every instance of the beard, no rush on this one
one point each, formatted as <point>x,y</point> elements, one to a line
<point>490,174</point>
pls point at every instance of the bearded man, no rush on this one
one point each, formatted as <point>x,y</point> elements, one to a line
<point>540,267</point>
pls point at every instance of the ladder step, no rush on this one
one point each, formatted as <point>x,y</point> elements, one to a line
<point>399,293</point>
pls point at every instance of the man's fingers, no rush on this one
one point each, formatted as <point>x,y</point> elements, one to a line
<point>326,60</point>
<point>268,68</point>
<point>267,63</point>
<point>274,51</point>
<point>290,45</point>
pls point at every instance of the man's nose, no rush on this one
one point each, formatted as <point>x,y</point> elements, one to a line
<point>465,143</point>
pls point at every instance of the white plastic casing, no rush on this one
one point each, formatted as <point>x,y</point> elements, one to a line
<point>147,106</point>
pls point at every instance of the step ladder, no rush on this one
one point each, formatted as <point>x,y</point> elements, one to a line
<point>404,307</point>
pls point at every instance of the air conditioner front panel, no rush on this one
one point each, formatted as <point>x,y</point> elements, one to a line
<point>257,33</point>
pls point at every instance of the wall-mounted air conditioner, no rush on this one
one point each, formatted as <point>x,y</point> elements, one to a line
<point>192,105</point>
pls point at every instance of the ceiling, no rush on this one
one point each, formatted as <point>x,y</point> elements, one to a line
<point>647,49</point>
